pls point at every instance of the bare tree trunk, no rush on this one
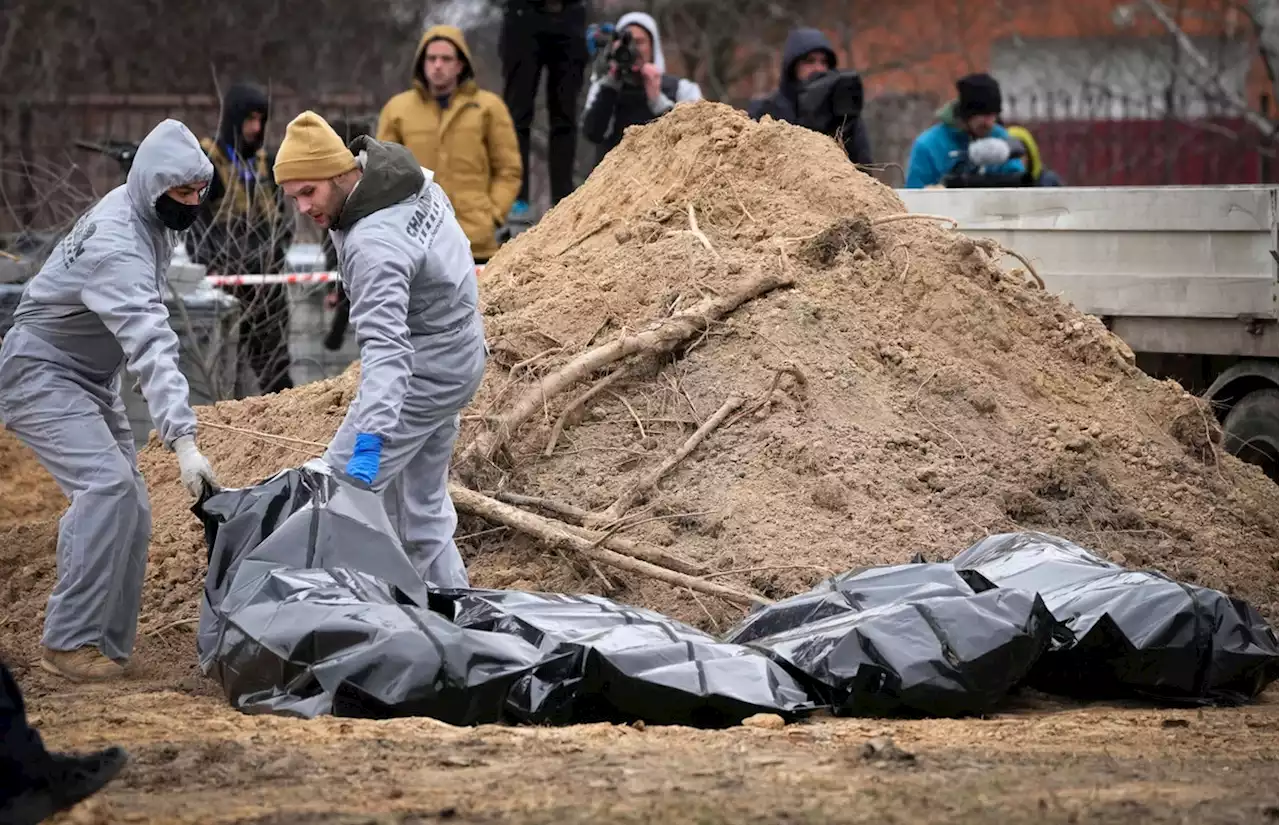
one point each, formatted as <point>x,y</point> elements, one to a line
<point>1266,17</point>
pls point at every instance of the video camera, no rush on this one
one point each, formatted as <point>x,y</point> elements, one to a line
<point>623,55</point>
<point>121,151</point>
<point>831,101</point>
<point>970,172</point>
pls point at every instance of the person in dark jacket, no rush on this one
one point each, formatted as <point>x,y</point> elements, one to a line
<point>34,783</point>
<point>614,103</point>
<point>537,35</point>
<point>245,228</point>
<point>806,53</point>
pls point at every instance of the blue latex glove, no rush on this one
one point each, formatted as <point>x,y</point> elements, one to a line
<point>364,461</point>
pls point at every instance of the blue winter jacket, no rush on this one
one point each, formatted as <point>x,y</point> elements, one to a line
<point>945,144</point>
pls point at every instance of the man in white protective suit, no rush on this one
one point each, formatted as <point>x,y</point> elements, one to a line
<point>406,265</point>
<point>95,307</point>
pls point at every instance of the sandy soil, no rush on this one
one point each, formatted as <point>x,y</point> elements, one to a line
<point>26,490</point>
<point>1043,761</point>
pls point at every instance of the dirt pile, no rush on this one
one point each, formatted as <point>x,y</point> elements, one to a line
<point>26,491</point>
<point>897,392</point>
<point>905,394</point>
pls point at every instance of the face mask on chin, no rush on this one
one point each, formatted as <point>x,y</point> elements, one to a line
<point>174,215</point>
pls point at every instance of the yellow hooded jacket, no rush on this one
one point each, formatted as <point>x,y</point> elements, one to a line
<point>1034,165</point>
<point>470,146</point>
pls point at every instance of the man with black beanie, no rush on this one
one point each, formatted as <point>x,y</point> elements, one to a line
<point>972,116</point>
<point>551,35</point>
<point>245,228</point>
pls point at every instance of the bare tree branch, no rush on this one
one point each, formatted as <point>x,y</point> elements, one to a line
<point>1207,78</point>
<point>1265,15</point>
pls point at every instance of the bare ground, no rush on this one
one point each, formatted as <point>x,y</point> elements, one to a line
<point>196,761</point>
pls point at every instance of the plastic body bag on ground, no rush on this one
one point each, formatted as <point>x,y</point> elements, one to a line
<point>626,663</point>
<point>298,519</point>
<point>312,606</point>
<point>312,642</point>
<point>1133,632</point>
<point>914,639</point>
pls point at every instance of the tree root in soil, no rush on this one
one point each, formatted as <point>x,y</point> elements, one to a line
<point>620,507</point>
<point>575,518</point>
<point>577,403</point>
<point>562,537</point>
<point>662,338</point>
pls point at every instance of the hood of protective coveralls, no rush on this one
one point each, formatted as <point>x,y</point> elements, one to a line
<point>799,43</point>
<point>168,156</point>
<point>453,34</point>
<point>240,101</point>
<point>646,22</point>
<point>391,174</point>
<point>1033,150</point>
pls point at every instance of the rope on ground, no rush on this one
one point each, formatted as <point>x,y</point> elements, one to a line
<point>260,434</point>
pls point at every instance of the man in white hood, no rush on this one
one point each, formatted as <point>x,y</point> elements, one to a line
<point>636,89</point>
<point>95,307</point>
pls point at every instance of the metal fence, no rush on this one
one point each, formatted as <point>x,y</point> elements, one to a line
<point>46,179</point>
<point>1096,138</point>
<point>1090,138</point>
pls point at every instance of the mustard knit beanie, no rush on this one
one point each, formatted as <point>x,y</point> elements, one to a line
<point>311,150</point>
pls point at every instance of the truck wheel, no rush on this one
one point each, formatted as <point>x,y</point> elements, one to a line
<point>1249,430</point>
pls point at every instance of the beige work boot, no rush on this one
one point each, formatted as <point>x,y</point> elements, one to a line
<point>85,664</point>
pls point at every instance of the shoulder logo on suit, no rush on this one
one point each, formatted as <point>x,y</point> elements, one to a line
<point>424,224</point>
<point>74,247</point>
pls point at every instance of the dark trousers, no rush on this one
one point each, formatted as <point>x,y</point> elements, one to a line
<point>264,334</point>
<point>552,36</point>
<point>22,753</point>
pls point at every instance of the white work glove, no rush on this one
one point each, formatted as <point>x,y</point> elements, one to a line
<point>193,468</point>
<point>989,151</point>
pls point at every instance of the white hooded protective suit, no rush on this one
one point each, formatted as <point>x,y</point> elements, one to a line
<point>95,307</point>
<point>406,265</point>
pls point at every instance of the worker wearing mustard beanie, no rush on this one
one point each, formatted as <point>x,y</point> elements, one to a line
<point>312,151</point>
<point>406,264</point>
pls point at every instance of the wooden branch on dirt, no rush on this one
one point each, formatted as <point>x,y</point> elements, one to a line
<point>575,517</point>
<point>602,224</point>
<point>619,508</point>
<point>643,552</point>
<point>1030,269</point>
<point>913,216</point>
<point>786,369</point>
<point>577,404</point>
<point>698,233</point>
<point>663,337</point>
<point>533,359</point>
<point>556,534</point>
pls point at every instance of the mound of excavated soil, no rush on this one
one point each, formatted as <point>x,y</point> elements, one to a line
<point>904,395</point>
<point>942,398</point>
<point>26,491</point>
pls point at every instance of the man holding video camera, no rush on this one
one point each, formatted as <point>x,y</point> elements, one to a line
<point>812,92</point>
<point>635,88</point>
<point>967,147</point>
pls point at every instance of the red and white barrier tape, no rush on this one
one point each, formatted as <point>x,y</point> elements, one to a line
<point>282,278</point>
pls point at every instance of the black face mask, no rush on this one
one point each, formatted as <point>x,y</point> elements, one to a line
<point>174,215</point>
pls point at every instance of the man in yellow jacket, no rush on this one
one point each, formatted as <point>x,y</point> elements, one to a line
<point>460,132</point>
